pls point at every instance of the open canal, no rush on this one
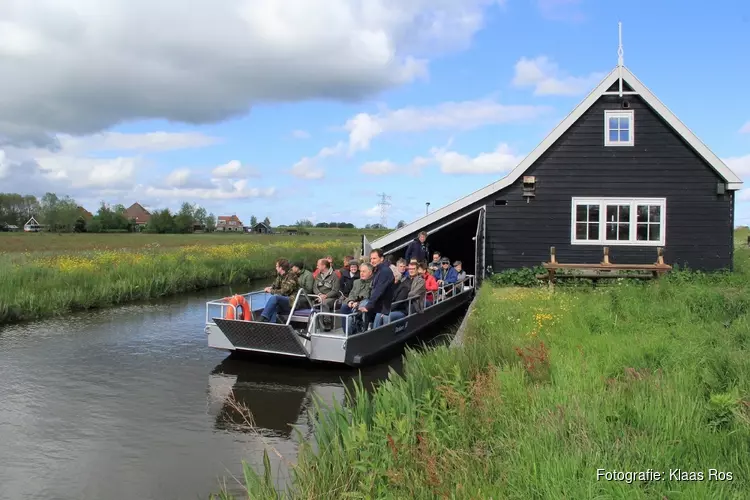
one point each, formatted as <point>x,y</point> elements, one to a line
<point>130,403</point>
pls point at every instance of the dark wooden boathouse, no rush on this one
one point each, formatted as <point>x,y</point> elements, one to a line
<point>620,171</point>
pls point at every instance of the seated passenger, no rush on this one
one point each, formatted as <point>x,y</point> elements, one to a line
<point>398,311</point>
<point>360,292</point>
<point>418,289</point>
<point>283,288</point>
<point>304,276</point>
<point>460,274</point>
<point>330,261</point>
<point>401,266</point>
<point>446,275</point>
<point>348,260</point>
<point>326,287</point>
<point>348,276</point>
<point>430,283</point>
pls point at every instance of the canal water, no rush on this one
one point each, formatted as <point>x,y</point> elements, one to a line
<point>129,403</point>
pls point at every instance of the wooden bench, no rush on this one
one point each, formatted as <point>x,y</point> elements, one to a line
<point>604,269</point>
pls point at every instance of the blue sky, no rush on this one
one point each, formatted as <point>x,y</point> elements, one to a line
<point>323,136</point>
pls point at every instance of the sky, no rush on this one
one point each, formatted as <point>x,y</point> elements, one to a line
<point>302,109</point>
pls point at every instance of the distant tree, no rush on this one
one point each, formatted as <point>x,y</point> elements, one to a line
<point>200,216</point>
<point>184,220</point>
<point>323,224</point>
<point>16,209</point>
<point>267,222</point>
<point>211,223</point>
<point>253,221</point>
<point>161,222</point>
<point>400,224</point>
<point>304,223</point>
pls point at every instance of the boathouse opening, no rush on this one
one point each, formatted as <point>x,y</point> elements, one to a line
<point>455,239</point>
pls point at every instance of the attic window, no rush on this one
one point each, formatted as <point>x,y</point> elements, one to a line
<point>500,203</point>
<point>618,128</point>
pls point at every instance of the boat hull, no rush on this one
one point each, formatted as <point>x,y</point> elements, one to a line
<point>354,350</point>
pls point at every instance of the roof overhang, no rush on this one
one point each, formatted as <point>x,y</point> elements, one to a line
<point>732,180</point>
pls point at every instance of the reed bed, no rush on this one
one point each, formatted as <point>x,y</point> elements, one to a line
<point>549,393</point>
<point>36,285</point>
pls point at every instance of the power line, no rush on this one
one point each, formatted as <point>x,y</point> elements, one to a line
<point>384,204</point>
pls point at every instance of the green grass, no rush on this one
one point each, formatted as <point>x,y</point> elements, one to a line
<point>38,285</point>
<point>548,388</point>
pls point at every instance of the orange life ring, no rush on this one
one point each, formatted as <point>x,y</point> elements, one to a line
<point>239,302</point>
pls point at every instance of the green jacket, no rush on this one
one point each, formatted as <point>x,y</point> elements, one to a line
<point>327,284</point>
<point>285,285</point>
<point>305,281</point>
<point>360,290</point>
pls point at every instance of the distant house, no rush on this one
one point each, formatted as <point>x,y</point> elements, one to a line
<point>229,223</point>
<point>261,228</point>
<point>8,227</point>
<point>32,226</point>
<point>197,226</point>
<point>139,215</point>
<point>85,213</point>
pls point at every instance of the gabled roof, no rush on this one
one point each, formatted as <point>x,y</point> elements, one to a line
<point>229,217</point>
<point>137,212</point>
<point>612,79</point>
<point>31,221</point>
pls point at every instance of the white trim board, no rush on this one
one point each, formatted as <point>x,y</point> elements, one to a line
<point>733,181</point>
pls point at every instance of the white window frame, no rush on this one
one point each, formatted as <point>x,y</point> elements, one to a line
<point>632,240</point>
<point>617,113</point>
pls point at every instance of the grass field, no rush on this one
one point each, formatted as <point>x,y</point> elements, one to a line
<point>548,389</point>
<point>74,242</point>
<point>44,274</point>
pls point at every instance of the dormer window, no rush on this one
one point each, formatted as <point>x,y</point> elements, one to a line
<point>618,128</point>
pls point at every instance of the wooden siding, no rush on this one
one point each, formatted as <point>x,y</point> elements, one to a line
<point>699,232</point>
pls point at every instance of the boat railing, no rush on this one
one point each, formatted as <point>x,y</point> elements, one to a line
<point>219,308</point>
<point>448,290</point>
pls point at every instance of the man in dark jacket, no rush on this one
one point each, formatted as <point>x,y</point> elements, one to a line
<point>418,249</point>
<point>382,289</point>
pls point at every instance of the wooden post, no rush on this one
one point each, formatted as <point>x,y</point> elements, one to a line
<point>553,260</point>
<point>606,256</point>
<point>659,256</point>
<point>551,279</point>
<point>748,241</point>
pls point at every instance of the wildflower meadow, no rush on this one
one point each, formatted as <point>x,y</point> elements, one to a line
<point>42,284</point>
<point>551,394</point>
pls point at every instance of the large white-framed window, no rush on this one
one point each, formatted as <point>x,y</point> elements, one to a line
<point>618,221</point>
<point>619,127</point>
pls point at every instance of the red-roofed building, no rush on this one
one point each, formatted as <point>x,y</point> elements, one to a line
<point>229,223</point>
<point>138,214</point>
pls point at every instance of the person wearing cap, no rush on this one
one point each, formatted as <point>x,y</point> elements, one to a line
<point>446,274</point>
<point>304,276</point>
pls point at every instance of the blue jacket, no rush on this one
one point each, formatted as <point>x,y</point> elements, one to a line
<point>382,290</point>
<point>416,250</point>
<point>448,277</point>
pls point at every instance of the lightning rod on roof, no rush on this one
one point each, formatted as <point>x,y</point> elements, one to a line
<point>620,62</point>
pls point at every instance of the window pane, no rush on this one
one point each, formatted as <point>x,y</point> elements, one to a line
<point>624,232</point>
<point>624,213</point>
<point>613,124</point>
<point>654,213</point>
<point>611,232</point>
<point>641,232</point>
<point>613,135</point>
<point>654,232</point>
<point>624,123</point>
<point>624,135</point>
<point>581,231</point>
<point>611,213</point>
<point>593,231</point>
<point>594,213</point>
<point>642,213</point>
<point>581,212</point>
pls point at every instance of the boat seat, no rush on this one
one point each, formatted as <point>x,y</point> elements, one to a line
<point>303,312</point>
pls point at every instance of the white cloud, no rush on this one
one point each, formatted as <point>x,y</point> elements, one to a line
<point>378,167</point>
<point>501,160</point>
<point>234,191</point>
<point>561,10</point>
<point>308,167</point>
<point>465,115</point>
<point>745,128</point>
<point>740,165</point>
<point>547,79</point>
<point>150,141</point>
<point>300,134</point>
<point>372,212</point>
<point>79,67</point>
<point>234,169</point>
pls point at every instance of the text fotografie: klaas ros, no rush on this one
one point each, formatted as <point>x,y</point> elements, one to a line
<point>672,475</point>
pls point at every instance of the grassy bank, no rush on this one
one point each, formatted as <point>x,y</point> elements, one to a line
<point>36,285</point>
<point>549,388</point>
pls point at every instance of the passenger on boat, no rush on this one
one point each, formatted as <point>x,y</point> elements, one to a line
<point>360,292</point>
<point>283,288</point>
<point>388,260</point>
<point>398,311</point>
<point>447,274</point>
<point>418,289</point>
<point>416,293</point>
<point>430,283</point>
<point>304,276</point>
<point>326,287</point>
<point>418,248</point>
<point>403,272</point>
<point>460,274</point>
<point>382,289</point>
<point>348,276</point>
<point>435,264</point>
<point>348,260</point>
<point>330,261</point>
